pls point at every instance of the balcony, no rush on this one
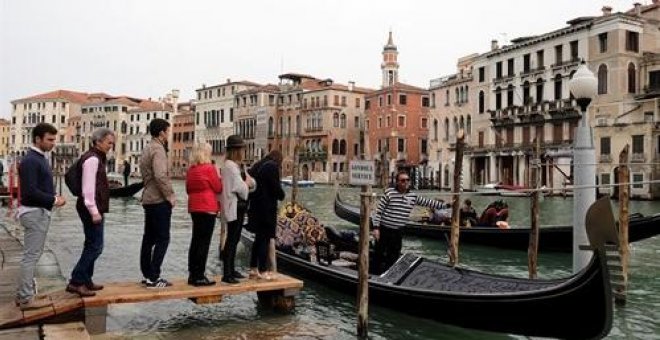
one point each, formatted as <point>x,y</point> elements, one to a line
<point>606,158</point>
<point>307,156</point>
<point>532,72</point>
<point>637,158</point>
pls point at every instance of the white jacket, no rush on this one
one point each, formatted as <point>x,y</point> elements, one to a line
<point>232,185</point>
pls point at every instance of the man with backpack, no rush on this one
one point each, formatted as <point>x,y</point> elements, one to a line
<point>93,202</point>
<point>37,200</point>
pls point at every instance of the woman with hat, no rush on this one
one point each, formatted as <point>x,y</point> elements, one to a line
<point>202,185</point>
<point>234,204</point>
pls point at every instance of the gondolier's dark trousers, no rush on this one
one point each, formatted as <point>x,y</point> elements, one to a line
<point>387,250</point>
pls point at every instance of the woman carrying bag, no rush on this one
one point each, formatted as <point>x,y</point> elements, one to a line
<point>234,205</point>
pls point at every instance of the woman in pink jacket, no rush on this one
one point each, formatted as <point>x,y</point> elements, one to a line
<point>202,186</point>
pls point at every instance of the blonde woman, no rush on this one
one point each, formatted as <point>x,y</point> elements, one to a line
<point>202,186</point>
<point>234,205</point>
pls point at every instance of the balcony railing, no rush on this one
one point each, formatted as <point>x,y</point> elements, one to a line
<point>637,158</point>
<point>313,156</point>
<point>606,158</point>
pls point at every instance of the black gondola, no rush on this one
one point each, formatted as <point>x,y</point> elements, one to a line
<point>127,191</point>
<point>577,307</point>
<point>551,237</point>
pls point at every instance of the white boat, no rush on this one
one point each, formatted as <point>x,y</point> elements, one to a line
<point>288,181</point>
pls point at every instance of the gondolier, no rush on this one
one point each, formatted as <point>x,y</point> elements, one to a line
<point>391,215</point>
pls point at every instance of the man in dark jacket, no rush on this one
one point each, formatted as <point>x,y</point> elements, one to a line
<point>37,200</point>
<point>91,205</point>
<point>262,214</point>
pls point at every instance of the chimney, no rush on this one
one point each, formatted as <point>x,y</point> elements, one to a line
<point>228,80</point>
<point>493,45</point>
<point>351,85</point>
<point>638,9</point>
<point>607,10</point>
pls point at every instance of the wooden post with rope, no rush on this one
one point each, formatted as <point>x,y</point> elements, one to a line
<point>532,250</point>
<point>365,224</point>
<point>294,175</point>
<point>624,200</point>
<point>456,200</point>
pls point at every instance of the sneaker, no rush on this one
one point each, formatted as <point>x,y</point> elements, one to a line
<point>159,283</point>
<point>33,304</point>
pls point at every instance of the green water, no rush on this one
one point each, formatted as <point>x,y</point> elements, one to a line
<point>320,312</point>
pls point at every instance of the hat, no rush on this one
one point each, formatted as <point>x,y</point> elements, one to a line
<point>235,142</point>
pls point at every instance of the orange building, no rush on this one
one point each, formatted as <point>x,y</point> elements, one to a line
<point>397,117</point>
<point>183,138</point>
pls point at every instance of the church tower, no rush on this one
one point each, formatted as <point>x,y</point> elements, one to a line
<point>390,65</point>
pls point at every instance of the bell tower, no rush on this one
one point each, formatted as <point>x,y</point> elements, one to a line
<point>390,65</point>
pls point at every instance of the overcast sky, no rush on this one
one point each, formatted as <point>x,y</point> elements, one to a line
<point>145,48</point>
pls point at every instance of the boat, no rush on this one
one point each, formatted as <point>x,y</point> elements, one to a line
<point>288,181</point>
<point>558,238</point>
<point>577,307</point>
<point>127,191</point>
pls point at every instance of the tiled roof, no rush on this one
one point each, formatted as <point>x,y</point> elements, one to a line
<point>4,121</point>
<point>71,96</point>
<point>270,88</point>
<point>148,105</point>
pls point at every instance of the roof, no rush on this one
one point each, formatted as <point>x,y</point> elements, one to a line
<point>402,87</point>
<point>71,96</point>
<point>240,82</point>
<point>120,101</point>
<point>148,105</point>
<point>270,88</point>
<point>4,121</point>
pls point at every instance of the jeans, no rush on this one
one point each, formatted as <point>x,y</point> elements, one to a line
<point>259,255</point>
<point>199,244</point>
<point>156,238</point>
<point>35,223</point>
<point>387,250</point>
<point>84,269</point>
<point>229,252</point>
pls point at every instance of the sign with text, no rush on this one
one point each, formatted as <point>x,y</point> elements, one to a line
<point>362,173</point>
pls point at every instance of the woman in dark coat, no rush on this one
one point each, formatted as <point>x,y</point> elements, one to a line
<point>262,214</point>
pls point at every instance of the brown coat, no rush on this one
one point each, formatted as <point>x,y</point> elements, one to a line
<point>153,166</point>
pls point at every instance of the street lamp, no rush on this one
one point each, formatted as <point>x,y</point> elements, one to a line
<point>583,86</point>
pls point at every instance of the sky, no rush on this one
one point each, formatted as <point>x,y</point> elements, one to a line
<point>146,48</point>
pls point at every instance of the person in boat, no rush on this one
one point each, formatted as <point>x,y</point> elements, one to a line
<point>262,211</point>
<point>495,215</point>
<point>393,211</point>
<point>441,215</point>
<point>467,214</point>
<point>126,171</point>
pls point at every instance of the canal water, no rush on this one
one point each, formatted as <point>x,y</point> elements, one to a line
<point>320,312</point>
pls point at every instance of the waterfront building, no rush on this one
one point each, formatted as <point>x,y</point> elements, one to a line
<point>5,127</point>
<point>138,136</point>
<point>397,121</point>
<point>254,111</point>
<point>183,139</point>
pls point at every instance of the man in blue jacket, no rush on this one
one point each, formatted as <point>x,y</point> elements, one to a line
<point>37,200</point>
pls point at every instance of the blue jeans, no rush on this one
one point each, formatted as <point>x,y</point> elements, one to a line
<point>84,269</point>
<point>156,239</point>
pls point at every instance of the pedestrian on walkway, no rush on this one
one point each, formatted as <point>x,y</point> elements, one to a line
<point>234,205</point>
<point>202,186</point>
<point>126,171</point>
<point>37,200</point>
<point>91,205</point>
<point>158,200</point>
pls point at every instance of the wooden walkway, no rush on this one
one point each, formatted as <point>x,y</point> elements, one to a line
<point>282,290</point>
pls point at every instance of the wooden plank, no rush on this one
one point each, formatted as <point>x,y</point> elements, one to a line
<point>203,300</point>
<point>64,302</point>
<point>25,333</point>
<point>66,331</point>
<point>10,315</point>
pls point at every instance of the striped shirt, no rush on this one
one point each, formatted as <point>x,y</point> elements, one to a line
<point>394,208</point>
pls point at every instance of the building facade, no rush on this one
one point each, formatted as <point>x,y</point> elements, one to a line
<point>255,110</point>
<point>5,127</point>
<point>183,139</point>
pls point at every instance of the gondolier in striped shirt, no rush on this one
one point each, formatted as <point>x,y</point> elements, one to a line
<point>391,215</point>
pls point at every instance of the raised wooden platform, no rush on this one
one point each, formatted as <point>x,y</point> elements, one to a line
<point>131,292</point>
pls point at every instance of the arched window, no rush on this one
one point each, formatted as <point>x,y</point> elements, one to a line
<point>342,147</point>
<point>602,79</point>
<point>335,146</point>
<point>458,96</point>
<point>446,128</point>
<point>342,120</point>
<point>481,102</point>
<point>461,124</point>
<point>467,92</point>
<point>281,126</point>
<point>271,128</point>
<point>455,126</point>
<point>298,123</point>
<point>335,119</point>
<point>558,94</point>
<point>435,129</point>
<point>527,99</point>
<point>498,98</point>
<point>539,91</point>
<point>509,95</point>
<point>632,79</point>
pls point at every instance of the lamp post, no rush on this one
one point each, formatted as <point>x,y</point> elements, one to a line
<point>583,86</point>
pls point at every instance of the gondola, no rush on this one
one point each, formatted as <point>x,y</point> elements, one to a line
<point>557,238</point>
<point>127,191</point>
<point>577,307</point>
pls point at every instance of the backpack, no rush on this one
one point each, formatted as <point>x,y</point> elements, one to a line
<point>73,178</point>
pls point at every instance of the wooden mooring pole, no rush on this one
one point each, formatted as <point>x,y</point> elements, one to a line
<point>532,250</point>
<point>624,200</point>
<point>294,175</point>
<point>363,279</point>
<point>456,200</point>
